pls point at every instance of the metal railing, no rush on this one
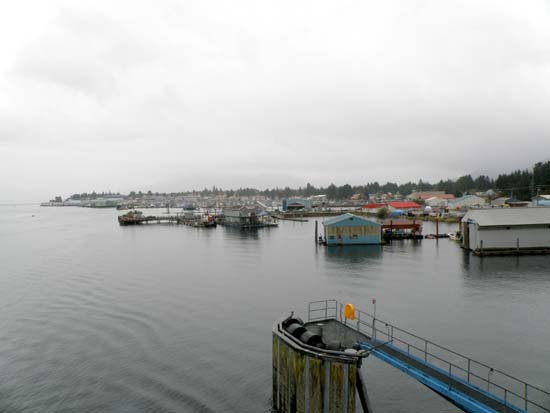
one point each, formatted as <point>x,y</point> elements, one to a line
<point>488,380</point>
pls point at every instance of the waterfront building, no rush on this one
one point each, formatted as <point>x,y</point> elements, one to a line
<point>374,207</point>
<point>247,217</point>
<point>506,229</point>
<point>422,196</point>
<point>541,200</point>
<point>404,205</point>
<point>293,204</point>
<point>466,202</point>
<point>437,202</point>
<point>349,229</point>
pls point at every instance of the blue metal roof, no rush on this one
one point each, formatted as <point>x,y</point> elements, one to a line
<point>348,216</point>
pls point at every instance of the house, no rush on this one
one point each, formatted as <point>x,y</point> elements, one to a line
<point>349,229</point>
<point>417,195</point>
<point>245,217</point>
<point>422,196</point>
<point>437,202</point>
<point>541,200</point>
<point>466,202</point>
<point>506,229</point>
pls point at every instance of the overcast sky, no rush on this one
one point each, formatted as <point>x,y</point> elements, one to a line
<point>174,95</point>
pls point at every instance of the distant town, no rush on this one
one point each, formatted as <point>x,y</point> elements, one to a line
<point>445,198</point>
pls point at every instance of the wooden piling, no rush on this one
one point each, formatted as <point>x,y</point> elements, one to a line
<point>305,382</point>
<point>316,231</point>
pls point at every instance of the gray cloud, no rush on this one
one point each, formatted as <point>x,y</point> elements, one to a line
<point>195,94</point>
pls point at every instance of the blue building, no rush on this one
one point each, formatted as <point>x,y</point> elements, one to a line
<point>349,229</point>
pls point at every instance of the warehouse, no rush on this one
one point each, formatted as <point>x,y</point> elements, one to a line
<point>349,229</point>
<point>466,202</point>
<point>507,230</point>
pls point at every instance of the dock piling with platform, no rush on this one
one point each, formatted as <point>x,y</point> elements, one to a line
<point>312,375</point>
<point>471,385</point>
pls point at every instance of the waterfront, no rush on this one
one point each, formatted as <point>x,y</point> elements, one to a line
<point>98,317</point>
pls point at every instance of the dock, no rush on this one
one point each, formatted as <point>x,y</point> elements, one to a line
<point>393,229</point>
<point>137,219</point>
<point>288,217</point>
<point>471,385</point>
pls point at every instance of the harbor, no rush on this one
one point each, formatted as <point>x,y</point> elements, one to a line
<point>176,287</point>
<point>167,165</point>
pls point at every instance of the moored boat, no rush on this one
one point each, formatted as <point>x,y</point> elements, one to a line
<point>131,218</point>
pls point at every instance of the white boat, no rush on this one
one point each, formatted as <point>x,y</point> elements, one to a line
<point>455,236</point>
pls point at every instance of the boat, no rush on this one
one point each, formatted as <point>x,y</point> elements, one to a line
<point>131,218</point>
<point>206,221</point>
<point>455,236</point>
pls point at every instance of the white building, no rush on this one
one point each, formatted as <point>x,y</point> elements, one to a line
<point>506,229</point>
<point>437,202</point>
<point>500,202</point>
<point>466,202</point>
<point>541,200</point>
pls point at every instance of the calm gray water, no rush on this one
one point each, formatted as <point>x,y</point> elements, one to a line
<point>98,317</point>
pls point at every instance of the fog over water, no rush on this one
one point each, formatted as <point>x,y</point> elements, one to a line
<point>98,317</point>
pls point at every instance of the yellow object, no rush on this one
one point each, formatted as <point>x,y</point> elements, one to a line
<point>349,311</point>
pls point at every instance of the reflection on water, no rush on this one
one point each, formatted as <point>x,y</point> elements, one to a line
<point>511,268</point>
<point>354,254</point>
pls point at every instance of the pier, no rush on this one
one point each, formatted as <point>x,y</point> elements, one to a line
<point>401,229</point>
<point>137,219</point>
<point>471,385</point>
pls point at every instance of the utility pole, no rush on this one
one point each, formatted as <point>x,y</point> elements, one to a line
<point>532,183</point>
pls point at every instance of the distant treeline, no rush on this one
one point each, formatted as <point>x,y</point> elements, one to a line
<point>521,184</point>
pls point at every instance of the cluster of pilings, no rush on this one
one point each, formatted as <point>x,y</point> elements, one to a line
<point>310,377</point>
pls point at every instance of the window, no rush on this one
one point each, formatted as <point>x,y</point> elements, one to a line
<point>331,237</point>
<point>354,236</point>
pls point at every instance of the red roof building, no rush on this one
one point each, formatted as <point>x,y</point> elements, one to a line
<point>404,205</point>
<point>374,206</point>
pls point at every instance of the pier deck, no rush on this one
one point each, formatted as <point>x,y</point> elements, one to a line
<point>138,220</point>
<point>472,386</point>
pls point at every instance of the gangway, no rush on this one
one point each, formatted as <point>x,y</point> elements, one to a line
<point>473,386</point>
